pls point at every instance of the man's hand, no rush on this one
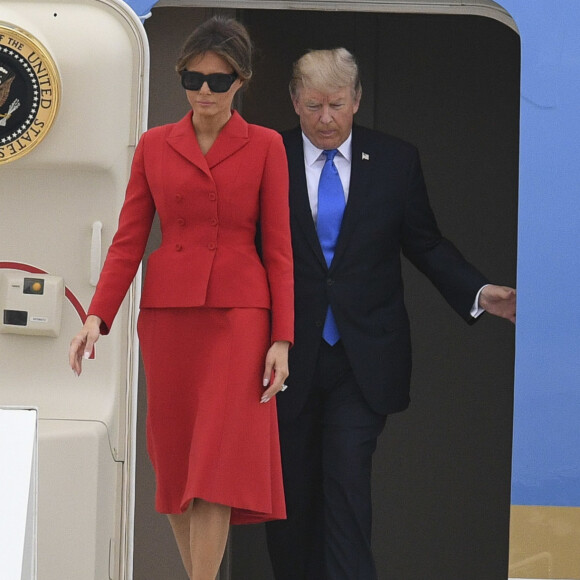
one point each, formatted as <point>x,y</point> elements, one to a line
<point>499,301</point>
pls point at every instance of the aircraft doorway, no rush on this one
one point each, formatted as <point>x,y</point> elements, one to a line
<point>450,85</point>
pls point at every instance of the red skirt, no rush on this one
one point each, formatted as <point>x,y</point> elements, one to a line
<point>208,435</point>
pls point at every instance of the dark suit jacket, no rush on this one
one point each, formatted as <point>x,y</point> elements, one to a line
<point>209,207</point>
<point>387,213</point>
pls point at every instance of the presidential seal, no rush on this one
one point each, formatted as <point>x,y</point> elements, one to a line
<point>29,92</point>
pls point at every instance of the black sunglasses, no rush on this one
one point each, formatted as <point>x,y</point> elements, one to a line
<point>217,82</point>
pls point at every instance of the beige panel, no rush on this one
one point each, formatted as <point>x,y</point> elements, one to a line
<point>51,197</point>
<point>49,200</point>
<point>78,492</point>
<point>544,542</point>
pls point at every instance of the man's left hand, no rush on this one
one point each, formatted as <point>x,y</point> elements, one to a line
<point>499,301</point>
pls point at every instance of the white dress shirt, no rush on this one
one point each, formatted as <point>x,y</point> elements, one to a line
<point>314,160</point>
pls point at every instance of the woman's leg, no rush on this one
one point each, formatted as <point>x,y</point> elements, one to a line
<point>180,523</point>
<point>201,533</point>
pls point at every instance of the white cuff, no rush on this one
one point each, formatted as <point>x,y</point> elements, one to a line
<point>476,309</point>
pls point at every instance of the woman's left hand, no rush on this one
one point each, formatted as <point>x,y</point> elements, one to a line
<point>276,369</point>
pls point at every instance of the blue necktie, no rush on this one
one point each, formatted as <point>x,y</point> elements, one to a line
<point>330,209</point>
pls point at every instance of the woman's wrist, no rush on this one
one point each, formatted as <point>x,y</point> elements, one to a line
<point>93,319</point>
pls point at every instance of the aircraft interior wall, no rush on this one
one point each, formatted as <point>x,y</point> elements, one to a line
<point>450,85</point>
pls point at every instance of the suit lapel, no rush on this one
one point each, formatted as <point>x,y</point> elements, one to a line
<point>359,188</point>
<point>299,202</point>
<point>182,139</point>
<point>232,138</point>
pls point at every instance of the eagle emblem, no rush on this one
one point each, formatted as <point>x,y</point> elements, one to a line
<point>29,92</point>
<point>6,79</point>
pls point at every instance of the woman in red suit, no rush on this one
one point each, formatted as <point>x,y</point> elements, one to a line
<point>216,319</point>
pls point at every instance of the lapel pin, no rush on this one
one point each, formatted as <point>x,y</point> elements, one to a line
<point>365,157</point>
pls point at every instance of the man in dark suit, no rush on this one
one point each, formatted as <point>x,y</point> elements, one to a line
<point>358,200</point>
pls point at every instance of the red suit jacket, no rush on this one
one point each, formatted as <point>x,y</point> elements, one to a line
<point>209,207</point>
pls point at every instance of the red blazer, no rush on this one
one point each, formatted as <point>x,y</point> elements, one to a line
<point>209,207</point>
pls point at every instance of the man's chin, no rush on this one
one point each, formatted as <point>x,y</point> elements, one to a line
<point>327,141</point>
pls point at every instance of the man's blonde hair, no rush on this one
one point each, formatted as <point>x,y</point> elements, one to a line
<point>326,71</point>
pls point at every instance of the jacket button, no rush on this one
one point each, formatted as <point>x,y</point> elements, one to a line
<point>212,196</point>
<point>330,281</point>
<point>211,245</point>
<point>181,221</point>
<point>178,247</point>
<point>213,221</point>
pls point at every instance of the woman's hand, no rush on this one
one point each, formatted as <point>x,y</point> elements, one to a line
<point>81,346</point>
<point>276,369</point>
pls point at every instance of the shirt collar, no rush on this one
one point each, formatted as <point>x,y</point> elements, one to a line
<point>313,153</point>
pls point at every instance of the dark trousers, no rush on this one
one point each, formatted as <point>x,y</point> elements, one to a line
<point>327,459</point>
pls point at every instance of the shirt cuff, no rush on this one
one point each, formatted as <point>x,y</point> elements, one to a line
<point>476,309</point>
